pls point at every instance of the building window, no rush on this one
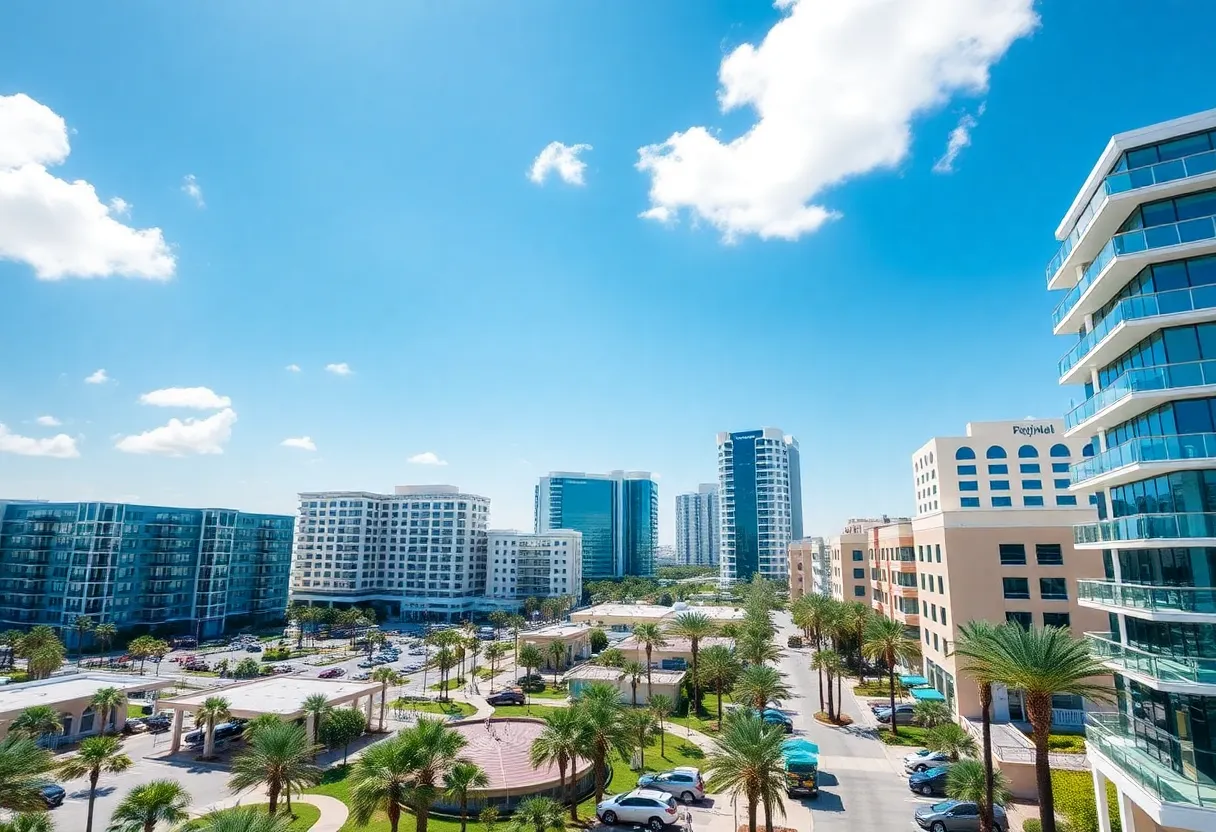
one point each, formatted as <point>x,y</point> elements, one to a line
<point>966,470</point>
<point>998,469</point>
<point>1032,502</point>
<point>1002,502</point>
<point>1053,589</point>
<point>1056,619</point>
<point>964,453</point>
<point>944,621</point>
<point>1028,468</point>
<point>1016,587</point>
<point>1049,554</point>
<point>970,502</point>
<point>1028,452</point>
<point>996,452</point>
<point>859,574</point>
<point>1022,619</point>
<point>1032,485</point>
<point>1059,467</point>
<point>937,547</point>
<point>1060,451</point>
<point>999,485</point>
<point>858,555</point>
<point>1060,483</point>
<point>968,485</point>
<point>1066,500</point>
<point>859,591</point>
<point>1012,554</point>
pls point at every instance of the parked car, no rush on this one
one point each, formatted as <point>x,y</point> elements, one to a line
<point>367,663</point>
<point>53,795</point>
<point>531,679</point>
<point>158,723</point>
<point>684,782</point>
<point>223,731</point>
<point>924,760</point>
<point>361,677</point>
<point>332,673</point>
<point>649,807</point>
<point>904,715</point>
<point>135,726</point>
<point>253,648</point>
<point>282,668</point>
<point>774,717</point>
<point>929,782</point>
<point>957,816</point>
<point>506,697</point>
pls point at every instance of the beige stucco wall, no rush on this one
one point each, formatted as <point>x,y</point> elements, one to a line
<point>844,582</point>
<point>801,555</point>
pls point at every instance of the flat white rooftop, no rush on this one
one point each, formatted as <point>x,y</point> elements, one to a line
<point>282,695</point>
<point>717,613</point>
<point>651,612</point>
<point>558,631</point>
<point>70,688</point>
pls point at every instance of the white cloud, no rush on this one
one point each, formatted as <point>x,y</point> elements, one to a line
<point>190,188</point>
<point>98,377</point>
<point>426,458</point>
<point>834,88</point>
<point>342,369</point>
<point>182,438</point>
<point>194,398</point>
<point>48,421</point>
<point>304,443</point>
<point>960,137</point>
<point>61,228</point>
<point>60,446</point>
<point>561,159</point>
<point>120,207</point>
<point>292,368</point>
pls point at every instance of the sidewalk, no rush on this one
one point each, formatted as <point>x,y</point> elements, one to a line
<point>333,811</point>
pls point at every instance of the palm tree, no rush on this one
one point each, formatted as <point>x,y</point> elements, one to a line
<point>150,804</point>
<point>42,650</point>
<point>639,727</point>
<point>756,647</point>
<point>967,780</point>
<point>517,622</point>
<point>828,663</point>
<point>634,671</point>
<point>693,626</point>
<point>854,618</point>
<point>557,652</point>
<point>241,819</point>
<point>1042,661</point>
<point>382,780</point>
<point>22,766</point>
<point>278,756</point>
<point>104,634</point>
<point>599,706</point>
<point>661,705</point>
<point>650,636</point>
<point>213,711</point>
<point>500,619</point>
<point>28,822</point>
<point>530,657</point>
<point>459,779</point>
<point>760,684</point>
<point>951,738</point>
<point>445,660</point>
<point>317,706</point>
<point>107,701</point>
<point>887,640</point>
<point>748,761</point>
<point>81,625</point>
<point>386,676</point>
<point>474,647</point>
<point>719,669</point>
<point>36,721</point>
<point>433,749</point>
<point>975,646</point>
<point>537,814</point>
<point>561,742</point>
<point>495,650</point>
<point>930,713</point>
<point>95,756</point>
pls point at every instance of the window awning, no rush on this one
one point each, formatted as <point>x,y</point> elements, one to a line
<point>927,695</point>
<point>913,681</point>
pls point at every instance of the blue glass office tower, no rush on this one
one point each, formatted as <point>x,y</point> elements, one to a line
<point>165,570</point>
<point>760,497</point>
<point>1137,265</point>
<point>618,514</point>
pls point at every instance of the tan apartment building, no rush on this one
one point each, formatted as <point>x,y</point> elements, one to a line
<point>993,540</point>
<point>893,585</point>
<point>809,567</point>
<point>849,577</point>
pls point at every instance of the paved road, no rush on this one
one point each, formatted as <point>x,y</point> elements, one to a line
<point>861,787</point>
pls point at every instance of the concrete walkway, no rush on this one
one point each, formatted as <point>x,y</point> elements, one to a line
<point>333,811</point>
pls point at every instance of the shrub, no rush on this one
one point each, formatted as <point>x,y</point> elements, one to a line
<point>1032,825</point>
<point>1066,743</point>
<point>276,655</point>
<point>1074,798</point>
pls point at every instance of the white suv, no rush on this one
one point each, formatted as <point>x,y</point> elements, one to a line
<point>683,782</point>
<point>650,807</point>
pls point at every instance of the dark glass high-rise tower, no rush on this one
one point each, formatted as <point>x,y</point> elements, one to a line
<point>760,494</point>
<point>618,514</point>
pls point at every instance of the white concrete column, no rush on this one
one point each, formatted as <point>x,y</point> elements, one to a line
<point>1127,818</point>
<point>310,726</point>
<point>1100,797</point>
<point>367,710</point>
<point>175,733</point>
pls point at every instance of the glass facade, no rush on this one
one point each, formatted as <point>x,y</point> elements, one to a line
<point>618,515</point>
<point>746,523</point>
<point>590,506</point>
<point>641,527</point>
<point>197,571</point>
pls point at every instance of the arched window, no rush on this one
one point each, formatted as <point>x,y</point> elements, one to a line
<point>1062,451</point>
<point>964,453</point>
<point>1028,452</point>
<point>1087,451</point>
<point>996,452</point>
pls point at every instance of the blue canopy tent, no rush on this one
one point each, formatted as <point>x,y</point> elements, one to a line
<point>927,695</point>
<point>799,747</point>
<point>913,681</point>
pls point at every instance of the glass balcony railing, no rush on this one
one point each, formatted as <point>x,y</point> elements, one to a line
<point>1146,449</point>
<point>1151,597</point>
<point>1177,669</point>
<point>1182,526</point>
<point>1128,180</point>
<point>1113,736</point>
<point>1136,308</point>
<point>1144,379</point>
<point>1131,242</point>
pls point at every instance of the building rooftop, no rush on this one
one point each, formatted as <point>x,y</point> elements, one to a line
<point>557,631</point>
<point>282,695</point>
<point>676,645</point>
<point>649,612</point>
<point>67,688</point>
<point>717,613</point>
<point>595,673</point>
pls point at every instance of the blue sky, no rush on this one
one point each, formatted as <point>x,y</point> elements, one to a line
<point>313,184</point>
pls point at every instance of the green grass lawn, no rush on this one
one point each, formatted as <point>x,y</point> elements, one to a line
<point>453,708</point>
<point>305,816</point>
<point>912,735</point>
<point>707,721</point>
<point>453,684</point>
<point>876,690</point>
<point>549,692</point>
<point>1066,743</point>
<point>537,711</point>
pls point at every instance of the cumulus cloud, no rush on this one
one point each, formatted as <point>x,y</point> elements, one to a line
<point>98,377</point>
<point>193,398</point>
<point>190,188</point>
<point>560,159</point>
<point>183,437</point>
<point>60,446</point>
<point>61,228</point>
<point>342,369</point>
<point>834,88</point>
<point>304,443</point>
<point>292,368</point>
<point>426,458</point>
<point>48,421</point>
<point>960,137</point>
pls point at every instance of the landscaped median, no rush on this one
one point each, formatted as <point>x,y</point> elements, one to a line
<point>305,815</point>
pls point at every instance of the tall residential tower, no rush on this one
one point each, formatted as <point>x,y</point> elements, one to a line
<point>697,526</point>
<point>758,479</point>
<point>617,512</point>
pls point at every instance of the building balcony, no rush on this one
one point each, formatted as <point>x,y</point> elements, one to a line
<point>903,566</point>
<point>1138,390</point>
<point>1152,602</point>
<point>1112,745</point>
<point>1148,531</point>
<point>903,591</point>
<point>1129,322</point>
<point>1171,674</point>
<point>909,619</point>
<point>1129,187</point>
<point>1123,256</point>
<point>1144,457</point>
